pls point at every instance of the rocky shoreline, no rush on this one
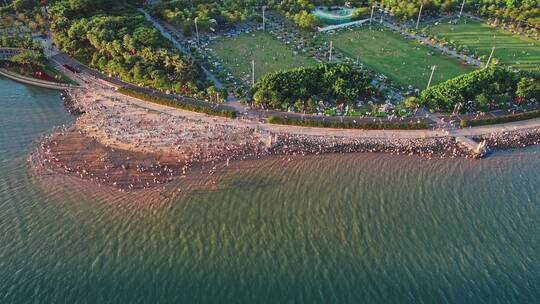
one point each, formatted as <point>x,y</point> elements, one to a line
<point>428,147</point>
<point>511,140</point>
<point>70,104</point>
<point>71,152</point>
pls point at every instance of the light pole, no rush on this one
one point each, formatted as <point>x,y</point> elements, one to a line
<point>253,72</point>
<point>419,15</point>
<point>371,18</point>
<point>264,18</point>
<point>382,10</point>
<point>490,56</point>
<point>431,77</point>
<point>461,10</point>
<point>197,30</point>
<point>331,46</point>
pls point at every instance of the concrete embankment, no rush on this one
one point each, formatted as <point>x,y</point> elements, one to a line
<point>476,149</point>
<point>36,82</point>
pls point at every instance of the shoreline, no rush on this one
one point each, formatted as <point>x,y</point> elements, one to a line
<point>129,144</point>
<point>71,152</point>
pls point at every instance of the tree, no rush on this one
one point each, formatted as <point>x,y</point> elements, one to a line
<point>411,102</point>
<point>23,6</point>
<point>528,88</point>
<point>306,20</point>
<point>30,58</point>
<point>481,101</point>
<point>493,82</point>
<point>334,83</point>
<point>360,12</point>
<point>122,43</point>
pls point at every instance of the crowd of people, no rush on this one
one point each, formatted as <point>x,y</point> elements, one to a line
<point>512,140</point>
<point>129,144</point>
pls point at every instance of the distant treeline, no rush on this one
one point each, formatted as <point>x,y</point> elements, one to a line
<point>182,12</point>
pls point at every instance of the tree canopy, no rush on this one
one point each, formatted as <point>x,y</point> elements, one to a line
<point>123,43</point>
<point>480,88</point>
<point>30,58</point>
<point>303,87</point>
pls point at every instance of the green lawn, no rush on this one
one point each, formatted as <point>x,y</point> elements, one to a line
<point>57,74</point>
<point>269,54</point>
<point>514,50</point>
<point>405,61</point>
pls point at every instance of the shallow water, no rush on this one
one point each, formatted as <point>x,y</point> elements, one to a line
<point>353,228</point>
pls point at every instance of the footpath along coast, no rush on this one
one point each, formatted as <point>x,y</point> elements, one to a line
<point>131,144</point>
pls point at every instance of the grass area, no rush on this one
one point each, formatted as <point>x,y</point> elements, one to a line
<point>404,61</point>
<point>514,50</point>
<point>269,54</point>
<point>59,75</point>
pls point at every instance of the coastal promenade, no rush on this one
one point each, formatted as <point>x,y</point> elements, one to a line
<point>132,144</point>
<point>61,59</point>
<point>350,133</point>
<point>255,117</point>
<point>439,132</point>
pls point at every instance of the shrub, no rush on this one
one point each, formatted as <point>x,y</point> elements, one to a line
<point>346,125</point>
<point>177,104</point>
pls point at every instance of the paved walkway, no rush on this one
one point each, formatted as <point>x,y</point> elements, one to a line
<point>498,128</point>
<point>349,133</point>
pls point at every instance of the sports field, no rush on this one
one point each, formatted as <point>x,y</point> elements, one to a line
<point>517,51</point>
<point>405,61</point>
<point>270,54</point>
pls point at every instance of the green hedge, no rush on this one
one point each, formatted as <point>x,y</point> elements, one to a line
<point>176,104</point>
<point>501,119</point>
<point>347,125</point>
